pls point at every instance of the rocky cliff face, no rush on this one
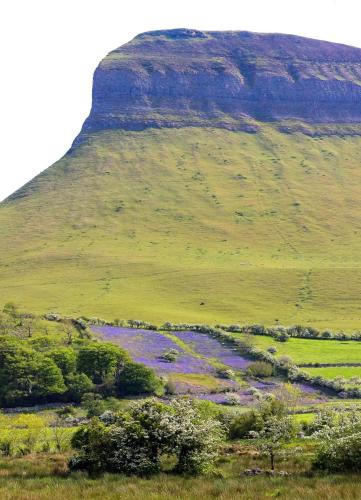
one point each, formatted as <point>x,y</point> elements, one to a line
<point>185,77</point>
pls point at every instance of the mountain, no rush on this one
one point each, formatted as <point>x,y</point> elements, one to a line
<point>217,178</point>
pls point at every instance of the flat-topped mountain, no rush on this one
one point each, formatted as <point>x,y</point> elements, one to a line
<point>185,77</point>
<point>167,207</point>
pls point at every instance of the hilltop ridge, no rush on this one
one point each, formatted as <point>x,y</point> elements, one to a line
<point>184,77</point>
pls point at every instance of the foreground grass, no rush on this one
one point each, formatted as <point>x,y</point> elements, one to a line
<point>43,477</point>
<point>197,225</point>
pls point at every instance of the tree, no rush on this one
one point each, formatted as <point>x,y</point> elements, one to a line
<point>65,359</point>
<point>134,441</point>
<point>100,361</point>
<point>277,431</point>
<point>68,329</point>
<point>135,378</point>
<point>26,375</point>
<point>78,384</point>
<point>27,325</point>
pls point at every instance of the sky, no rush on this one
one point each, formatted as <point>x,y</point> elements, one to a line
<point>49,50</point>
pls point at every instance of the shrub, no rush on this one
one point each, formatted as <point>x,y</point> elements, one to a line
<point>241,425</point>
<point>260,369</point>
<point>342,454</point>
<point>233,399</point>
<point>170,356</point>
<point>272,349</point>
<point>134,441</point>
<point>93,404</point>
<point>226,373</point>
<point>170,388</point>
<point>281,337</point>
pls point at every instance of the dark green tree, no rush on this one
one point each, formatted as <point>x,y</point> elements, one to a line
<point>100,361</point>
<point>65,359</point>
<point>135,378</point>
<point>27,376</point>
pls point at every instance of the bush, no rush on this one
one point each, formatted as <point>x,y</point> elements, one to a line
<point>272,349</point>
<point>226,373</point>
<point>281,337</point>
<point>337,455</point>
<point>170,356</point>
<point>133,442</point>
<point>233,399</point>
<point>241,425</point>
<point>260,369</point>
<point>93,404</point>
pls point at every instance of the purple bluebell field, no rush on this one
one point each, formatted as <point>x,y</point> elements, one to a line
<point>189,373</point>
<point>211,348</point>
<point>147,346</point>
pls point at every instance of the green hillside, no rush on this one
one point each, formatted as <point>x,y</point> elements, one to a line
<point>191,224</point>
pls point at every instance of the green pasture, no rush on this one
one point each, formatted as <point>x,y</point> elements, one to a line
<point>333,372</point>
<point>198,225</point>
<point>311,351</point>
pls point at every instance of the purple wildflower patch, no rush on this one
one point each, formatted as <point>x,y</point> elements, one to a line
<point>211,348</point>
<point>147,346</point>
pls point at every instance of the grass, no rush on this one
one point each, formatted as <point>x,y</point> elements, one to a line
<point>198,225</point>
<point>44,477</point>
<point>333,372</point>
<point>206,382</point>
<point>312,351</point>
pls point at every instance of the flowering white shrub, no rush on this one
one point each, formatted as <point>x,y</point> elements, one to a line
<point>134,441</point>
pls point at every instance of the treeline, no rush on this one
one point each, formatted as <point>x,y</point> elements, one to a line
<point>283,333</point>
<point>36,369</point>
<point>278,332</point>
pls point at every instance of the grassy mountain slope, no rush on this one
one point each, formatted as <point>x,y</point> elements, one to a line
<point>192,224</point>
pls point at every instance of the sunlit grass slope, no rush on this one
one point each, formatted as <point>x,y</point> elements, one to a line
<point>191,224</point>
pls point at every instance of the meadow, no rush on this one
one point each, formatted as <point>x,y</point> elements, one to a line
<point>332,372</point>
<point>45,477</point>
<point>303,351</point>
<point>204,224</point>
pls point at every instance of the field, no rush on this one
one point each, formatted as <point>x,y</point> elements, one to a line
<point>44,477</point>
<point>196,369</point>
<point>312,351</point>
<point>333,372</point>
<point>197,225</point>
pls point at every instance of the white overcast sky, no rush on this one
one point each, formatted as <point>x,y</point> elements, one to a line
<point>50,48</point>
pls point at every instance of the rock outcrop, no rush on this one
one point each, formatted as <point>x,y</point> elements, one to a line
<point>183,77</point>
